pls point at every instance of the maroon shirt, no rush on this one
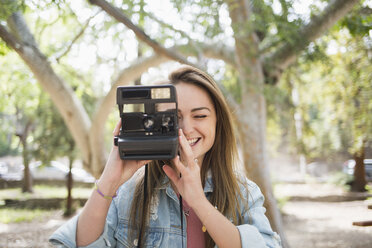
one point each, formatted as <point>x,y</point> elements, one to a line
<point>195,235</point>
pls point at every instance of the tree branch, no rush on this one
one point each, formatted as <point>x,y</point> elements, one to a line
<point>217,51</point>
<point>201,49</point>
<point>9,39</point>
<point>67,50</point>
<point>71,109</point>
<point>126,76</point>
<point>287,53</point>
<point>234,106</point>
<point>193,43</point>
<point>213,51</point>
<point>19,28</point>
<point>158,48</point>
<point>129,74</point>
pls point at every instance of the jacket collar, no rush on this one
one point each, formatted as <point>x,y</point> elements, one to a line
<point>208,187</point>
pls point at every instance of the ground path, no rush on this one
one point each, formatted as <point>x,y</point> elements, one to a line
<point>313,222</point>
<point>308,223</point>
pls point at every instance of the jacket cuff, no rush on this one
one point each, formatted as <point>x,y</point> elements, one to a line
<point>65,236</point>
<point>250,237</point>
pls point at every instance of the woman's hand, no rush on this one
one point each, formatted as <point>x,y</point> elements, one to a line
<point>92,219</point>
<point>189,185</point>
<point>118,171</point>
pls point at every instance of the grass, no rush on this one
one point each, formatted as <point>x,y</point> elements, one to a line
<point>17,215</point>
<point>341,179</point>
<point>9,215</point>
<point>369,190</point>
<point>281,199</point>
<point>44,191</point>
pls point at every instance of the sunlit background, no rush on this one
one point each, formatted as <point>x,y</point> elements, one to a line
<point>318,110</point>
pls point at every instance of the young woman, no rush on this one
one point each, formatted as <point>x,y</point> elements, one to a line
<point>219,207</point>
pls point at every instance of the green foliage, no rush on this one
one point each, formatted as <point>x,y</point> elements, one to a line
<point>8,7</point>
<point>316,51</point>
<point>335,98</point>
<point>205,15</point>
<point>7,140</point>
<point>23,102</point>
<point>56,23</point>
<point>52,16</point>
<point>333,80</point>
<point>51,136</point>
<point>81,85</point>
<point>231,83</point>
<point>359,21</point>
<point>341,179</point>
<point>3,48</point>
<point>18,102</point>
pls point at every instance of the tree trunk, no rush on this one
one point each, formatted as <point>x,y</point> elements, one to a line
<point>27,178</point>
<point>252,127</point>
<point>88,135</point>
<point>69,209</point>
<point>359,182</point>
<point>252,110</point>
<point>67,103</point>
<point>23,127</point>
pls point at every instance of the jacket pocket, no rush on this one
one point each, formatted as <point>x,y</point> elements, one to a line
<point>154,237</point>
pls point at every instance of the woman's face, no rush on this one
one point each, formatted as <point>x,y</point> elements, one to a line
<point>197,118</point>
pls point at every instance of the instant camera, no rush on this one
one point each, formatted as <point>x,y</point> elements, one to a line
<point>149,127</point>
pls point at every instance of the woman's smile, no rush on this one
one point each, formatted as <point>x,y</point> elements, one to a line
<point>193,141</point>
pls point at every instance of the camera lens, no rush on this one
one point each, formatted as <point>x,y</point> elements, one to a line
<point>148,123</point>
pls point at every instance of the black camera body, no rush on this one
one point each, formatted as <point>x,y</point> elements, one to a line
<point>149,123</point>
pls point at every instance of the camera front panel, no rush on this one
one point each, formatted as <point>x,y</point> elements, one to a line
<point>149,122</point>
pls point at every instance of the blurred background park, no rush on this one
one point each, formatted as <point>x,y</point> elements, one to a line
<point>297,75</point>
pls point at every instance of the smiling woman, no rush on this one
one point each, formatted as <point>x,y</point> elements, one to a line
<point>199,187</point>
<point>197,118</point>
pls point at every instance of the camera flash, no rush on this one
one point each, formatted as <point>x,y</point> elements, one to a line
<point>160,93</point>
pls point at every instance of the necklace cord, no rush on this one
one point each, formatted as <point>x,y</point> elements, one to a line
<point>143,206</point>
<point>181,216</point>
<point>143,209</point>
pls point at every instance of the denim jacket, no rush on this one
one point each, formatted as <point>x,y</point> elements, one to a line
<point>165,223</point>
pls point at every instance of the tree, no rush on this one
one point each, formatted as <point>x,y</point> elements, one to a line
<point>52,140</point>
<point>266,43</point>
<point>332,80</point>
<point>359,26</point>
<point>19,102</point>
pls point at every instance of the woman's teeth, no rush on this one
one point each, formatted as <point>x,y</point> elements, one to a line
<point>192,141</point>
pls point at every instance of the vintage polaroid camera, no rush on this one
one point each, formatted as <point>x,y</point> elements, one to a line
<point>149,129</point>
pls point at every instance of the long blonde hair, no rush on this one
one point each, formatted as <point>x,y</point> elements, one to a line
<point>219,160</point>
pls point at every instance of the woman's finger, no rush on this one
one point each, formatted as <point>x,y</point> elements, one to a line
<point>186,151</point>
<point>171,174</point>
<point>143,162</point>
<point>179,165</point>
<point>184,145</point>
<point>117,128</point>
